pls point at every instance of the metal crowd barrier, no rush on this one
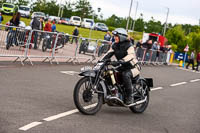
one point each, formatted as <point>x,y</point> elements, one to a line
<point>23,44</point>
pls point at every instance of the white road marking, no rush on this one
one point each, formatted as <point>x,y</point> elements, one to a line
<point>158,88</point>
<point>29,126</point>
<point>51,118</point>
<point>177,84</point>
<point>54,117</point>
<point>195,80</point>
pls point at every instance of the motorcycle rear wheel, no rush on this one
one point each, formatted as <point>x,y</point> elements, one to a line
<point>87,96</point>
<point>142,107</point>
<point>44,46</point>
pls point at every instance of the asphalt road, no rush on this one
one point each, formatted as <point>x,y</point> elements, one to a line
<point>28,95</point>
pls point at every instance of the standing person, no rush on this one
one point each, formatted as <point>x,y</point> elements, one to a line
<point>198,61</point>
<point>48,26</point>
<point>107,36</point>
<point>1,19</point>
<point>15,22</point>
<point>191,60</point>
<point>35,24</point>
<point>75,35</point>
<point>15,19</point>
<point>53,28</point>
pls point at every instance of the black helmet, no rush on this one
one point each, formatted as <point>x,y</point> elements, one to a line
<point>121,32</point>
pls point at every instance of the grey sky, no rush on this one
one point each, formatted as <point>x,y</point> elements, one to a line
<point>181,11</point>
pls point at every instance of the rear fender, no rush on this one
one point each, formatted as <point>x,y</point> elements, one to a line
<point>148,81</point>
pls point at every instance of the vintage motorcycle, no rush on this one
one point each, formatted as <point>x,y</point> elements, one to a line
<point>103,84</point>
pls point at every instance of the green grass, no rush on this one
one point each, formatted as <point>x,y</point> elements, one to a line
<point>64,28</point>
<point>69,29</point>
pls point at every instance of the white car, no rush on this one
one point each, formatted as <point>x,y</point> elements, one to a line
<point>88,23</point>
<point>75,20</point>
<point>38,15</point>
<point>24,11</point>
<point>54,18</point>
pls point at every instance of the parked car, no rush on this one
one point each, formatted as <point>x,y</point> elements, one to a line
<point>64,21</point>
<point>8,8</point>
<point>88,23</point>
<point>75,20</point>
<point>54,18</point>
<point>101,27</point>
<point>39,15</point>
<point>24,11</point>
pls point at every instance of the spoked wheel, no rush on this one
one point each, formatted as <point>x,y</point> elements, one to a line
<point>44,46</point>
<point>144,93</point>
<point>86,100</point>
<point>9,41</point>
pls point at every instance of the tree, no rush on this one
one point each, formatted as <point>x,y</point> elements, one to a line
<point>177,37</point>
<point>153,26</point>
<point>139,24</point>
<point>194,41</point>
<point>21,2</point>
<point>83,9</point>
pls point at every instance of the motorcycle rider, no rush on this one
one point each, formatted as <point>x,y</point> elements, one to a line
<point>125,55</point>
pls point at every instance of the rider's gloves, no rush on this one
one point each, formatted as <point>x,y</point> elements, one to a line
<point>116,63</point>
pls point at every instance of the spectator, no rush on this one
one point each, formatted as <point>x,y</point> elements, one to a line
<point>1,19</point>
<point>107,36</point>
<point>75,35</point>
<point>191,60</point>
<point>15,19</point>
<point>53,28</point>
<point>131,39</point>
<point>48,26</point>
<point>15,22</point>
<point>139,44</point>
<point>35,24</point>
<point>198,61</point>
<point>155,46</point>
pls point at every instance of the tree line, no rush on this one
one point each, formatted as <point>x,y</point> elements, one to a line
<point>178,35</point>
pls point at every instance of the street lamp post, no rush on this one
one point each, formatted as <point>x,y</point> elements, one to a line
<point>166,22</point>
<point>135,16</point>
<point>127,24</point>
<point>99,9</point>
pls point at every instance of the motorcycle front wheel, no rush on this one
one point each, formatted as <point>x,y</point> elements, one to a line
<point>86,100</point>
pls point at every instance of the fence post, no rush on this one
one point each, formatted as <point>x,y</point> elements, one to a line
<point>54,49</point>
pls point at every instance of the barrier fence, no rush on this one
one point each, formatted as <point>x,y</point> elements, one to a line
<point>34,45</point>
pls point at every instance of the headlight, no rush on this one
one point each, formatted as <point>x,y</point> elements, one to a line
<point>98,66</point>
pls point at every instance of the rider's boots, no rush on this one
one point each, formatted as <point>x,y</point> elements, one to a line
<point>129,96</point>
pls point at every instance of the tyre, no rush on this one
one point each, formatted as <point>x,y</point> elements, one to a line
<point>84,97</point>
<point>44,46</point>
<point>145,90</point>
<point>9,41</point>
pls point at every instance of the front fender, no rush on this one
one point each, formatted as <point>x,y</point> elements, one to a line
<point>90,73</point>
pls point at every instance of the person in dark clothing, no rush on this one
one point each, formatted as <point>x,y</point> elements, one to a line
<point>198,61</point>
<point>147,46</point>
<point>75,35</point>
<point>191,60</point>
<point>125,55</point>
<point>15,21</point>
<point>35,24</point>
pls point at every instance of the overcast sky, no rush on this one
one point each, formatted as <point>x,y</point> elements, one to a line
<point>181,11</point>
